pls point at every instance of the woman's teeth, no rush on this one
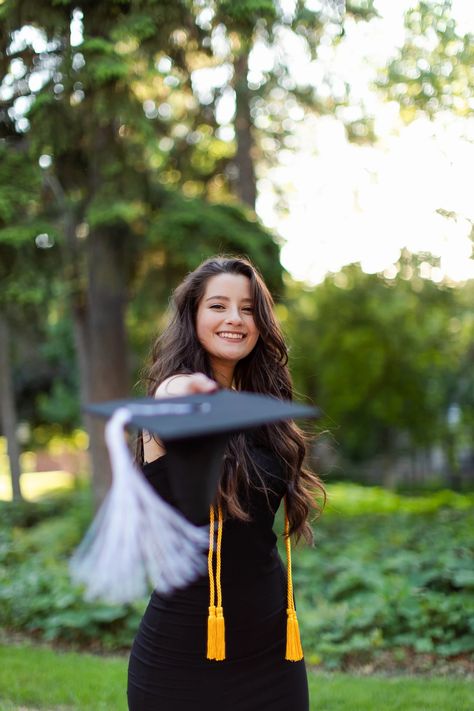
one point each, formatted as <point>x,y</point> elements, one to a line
<point>231,336</point>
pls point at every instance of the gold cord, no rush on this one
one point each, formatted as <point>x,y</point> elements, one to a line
<point>294,650</point>
<point>215,620</point>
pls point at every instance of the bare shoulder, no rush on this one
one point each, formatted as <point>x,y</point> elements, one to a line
<point>173,386</point>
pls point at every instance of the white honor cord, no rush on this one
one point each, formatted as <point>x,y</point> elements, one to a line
<point>136,538</point>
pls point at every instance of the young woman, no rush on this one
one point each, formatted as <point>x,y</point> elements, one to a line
<point>223,334</point>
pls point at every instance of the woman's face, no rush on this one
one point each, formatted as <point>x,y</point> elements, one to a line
<point>224,321</point>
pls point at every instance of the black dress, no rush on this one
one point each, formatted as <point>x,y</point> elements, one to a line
<point>168,668</point>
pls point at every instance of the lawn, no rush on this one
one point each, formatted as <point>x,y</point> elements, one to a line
<point>41,678</point>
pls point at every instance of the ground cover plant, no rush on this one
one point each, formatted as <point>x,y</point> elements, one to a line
<point>389,584</point>
<point>400,581</point>
<point>36,594</point>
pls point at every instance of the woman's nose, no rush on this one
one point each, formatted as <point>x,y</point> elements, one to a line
<point>234,316</point>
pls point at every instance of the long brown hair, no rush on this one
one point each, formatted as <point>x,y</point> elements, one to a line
<point>264,370</point>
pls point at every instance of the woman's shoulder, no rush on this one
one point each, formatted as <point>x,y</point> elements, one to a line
<point>265,458</point>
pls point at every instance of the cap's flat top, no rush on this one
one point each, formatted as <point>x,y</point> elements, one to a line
<point>204,413</point>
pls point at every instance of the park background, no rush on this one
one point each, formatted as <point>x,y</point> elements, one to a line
<point>334,149</point>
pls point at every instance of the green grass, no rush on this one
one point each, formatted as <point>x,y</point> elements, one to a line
<point>40,678</point>
<point>343,692</point>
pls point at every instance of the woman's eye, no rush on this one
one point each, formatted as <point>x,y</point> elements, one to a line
<point>220,307</point>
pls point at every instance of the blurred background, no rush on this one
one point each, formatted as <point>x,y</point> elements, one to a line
<point>330,144</point>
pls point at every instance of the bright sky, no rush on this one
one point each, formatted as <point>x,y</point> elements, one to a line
<point>350,203</point>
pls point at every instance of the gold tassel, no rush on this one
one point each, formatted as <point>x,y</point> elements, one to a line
<point>220,635</point>
<point>294,649</point>
<point>215,621</point>
<point>211,620</point>
<point>220,623</point>
<point>211,633</point>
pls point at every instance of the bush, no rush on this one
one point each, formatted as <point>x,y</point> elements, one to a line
<point>36,594</point>
<point>401,579</point>
<point>388,581</point>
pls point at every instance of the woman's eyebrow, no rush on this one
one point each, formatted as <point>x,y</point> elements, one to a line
<point>226,298</point>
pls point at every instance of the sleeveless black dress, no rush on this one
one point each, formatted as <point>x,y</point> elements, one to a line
<point>168,668</point>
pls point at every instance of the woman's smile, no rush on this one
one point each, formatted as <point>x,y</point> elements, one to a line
<point>231,335</point>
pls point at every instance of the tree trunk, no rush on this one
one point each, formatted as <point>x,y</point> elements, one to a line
<point>453,470</point>
<point>81,339</point>
<point>108,375</point>
<point>245,184</point>
<point>73,267</point>
<point>8,409</point>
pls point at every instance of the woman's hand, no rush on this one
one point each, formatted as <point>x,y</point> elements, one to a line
<point>186,385</point>
<point>175,386</point>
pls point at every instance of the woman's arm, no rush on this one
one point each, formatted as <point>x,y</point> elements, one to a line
<point>174,386</point>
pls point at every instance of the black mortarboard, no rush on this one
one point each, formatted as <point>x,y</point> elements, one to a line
<point>153,539</point>
<point>204,414</point>
<point>195,430</point>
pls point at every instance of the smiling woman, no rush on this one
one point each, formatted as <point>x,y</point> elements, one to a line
<point>225,325</point>
<point>224,334</point>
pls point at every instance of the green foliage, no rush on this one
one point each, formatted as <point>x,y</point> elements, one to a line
<point>433,70</point>
<point>378,582</point>
<point>379,356</point>
<point>213,229</point>
<point>24,514</point>
<point>25,270</point>
<point>35,560</point>
<point>244,15</point>
<point>387,573</point>
<point>104,64</point>
<point>19,185</point>
<point>353,500</point>
<point>103,213</point>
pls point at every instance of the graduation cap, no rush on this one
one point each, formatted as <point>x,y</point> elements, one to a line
<point>136,536</point>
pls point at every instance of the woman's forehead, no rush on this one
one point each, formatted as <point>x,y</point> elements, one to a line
<point>230,285</point>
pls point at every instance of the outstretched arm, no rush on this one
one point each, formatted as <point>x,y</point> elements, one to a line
<point>174,386</point>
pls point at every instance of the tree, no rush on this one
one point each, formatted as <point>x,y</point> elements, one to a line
<point>107,176</point>
<point>270,102</point>
<point>433,71</point>
<point>25,274</point>
<point>381,360</point>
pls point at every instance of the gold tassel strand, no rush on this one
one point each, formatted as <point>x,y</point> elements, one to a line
<point>211,620</point>
<point>294,650</point>
<point>220,623</point>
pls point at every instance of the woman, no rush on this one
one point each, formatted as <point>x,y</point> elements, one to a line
<point>223,334</point>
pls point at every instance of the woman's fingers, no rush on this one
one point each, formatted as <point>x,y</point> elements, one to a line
<point>200,383</point>
<point>186,385</point>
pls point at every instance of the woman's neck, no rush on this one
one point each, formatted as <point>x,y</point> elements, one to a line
<point>223,374</point>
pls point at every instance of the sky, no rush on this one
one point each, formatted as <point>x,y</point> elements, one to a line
<point>351,203</point>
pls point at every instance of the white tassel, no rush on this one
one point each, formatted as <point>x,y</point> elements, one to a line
<point>136,537</point>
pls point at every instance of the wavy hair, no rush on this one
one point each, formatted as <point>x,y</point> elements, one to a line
<point>264,370</point>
